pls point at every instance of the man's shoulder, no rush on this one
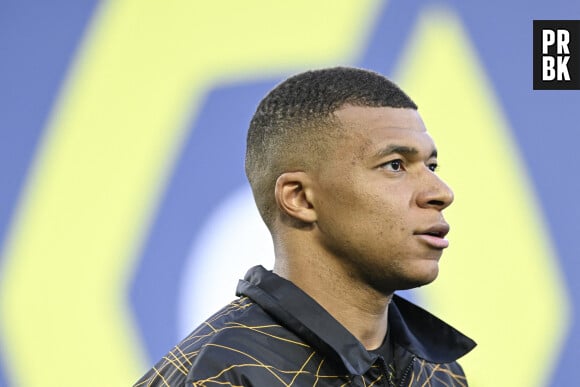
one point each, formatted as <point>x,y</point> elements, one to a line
<point>239,334</point>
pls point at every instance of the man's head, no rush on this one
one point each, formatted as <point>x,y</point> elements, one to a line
<point>342,167</point>
<point>293,125</point>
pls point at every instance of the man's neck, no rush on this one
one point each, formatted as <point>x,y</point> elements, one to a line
<point>359,308</point>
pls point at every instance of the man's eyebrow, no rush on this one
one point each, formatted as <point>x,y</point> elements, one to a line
<point>402,150</point>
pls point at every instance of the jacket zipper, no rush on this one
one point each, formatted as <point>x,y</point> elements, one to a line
<point>406,373</point>
<point>385,371</point>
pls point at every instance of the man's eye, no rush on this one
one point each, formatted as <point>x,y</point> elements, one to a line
<point>394,165</point>
<point>433,166</point>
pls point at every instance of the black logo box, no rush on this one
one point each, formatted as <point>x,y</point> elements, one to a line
<point>573,64</point>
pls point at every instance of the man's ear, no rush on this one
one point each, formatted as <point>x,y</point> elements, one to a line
<point>293,194</point>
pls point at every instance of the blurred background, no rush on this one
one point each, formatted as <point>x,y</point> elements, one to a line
<point>125,216</point>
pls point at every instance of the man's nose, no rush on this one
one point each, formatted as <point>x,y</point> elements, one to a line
<point>434,193</point>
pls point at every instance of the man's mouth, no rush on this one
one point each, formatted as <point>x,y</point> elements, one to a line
<point>434,236</point>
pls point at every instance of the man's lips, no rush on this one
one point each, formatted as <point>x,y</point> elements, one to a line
<point>435,235</point>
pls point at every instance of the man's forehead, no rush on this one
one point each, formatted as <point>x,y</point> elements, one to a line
<point>384,116</point>
<point>381,142</point>
<point>367,131</point>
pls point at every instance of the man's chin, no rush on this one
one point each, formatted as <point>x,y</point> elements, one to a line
<point>412,281</point>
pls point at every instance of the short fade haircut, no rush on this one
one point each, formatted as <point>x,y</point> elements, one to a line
<point>293,123</point>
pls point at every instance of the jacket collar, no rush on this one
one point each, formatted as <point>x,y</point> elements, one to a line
<point>411,327</point>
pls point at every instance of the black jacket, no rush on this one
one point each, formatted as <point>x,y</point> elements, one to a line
<point>276,335</point>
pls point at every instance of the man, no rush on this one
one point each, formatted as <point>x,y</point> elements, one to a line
<point>343,174</point>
